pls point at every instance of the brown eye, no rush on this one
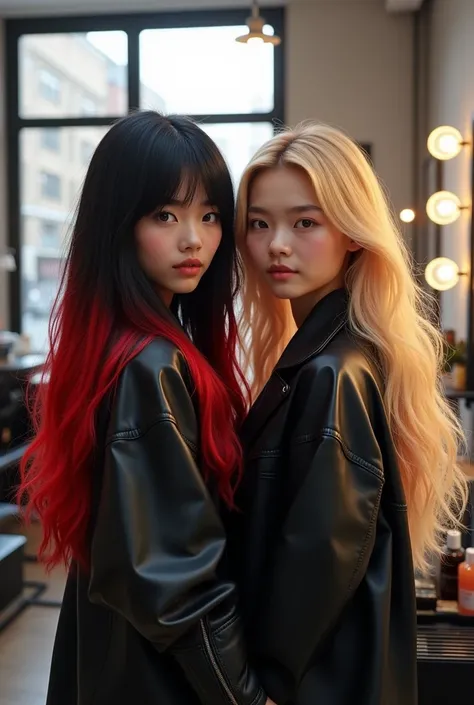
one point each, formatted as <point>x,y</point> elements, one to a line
<point>258,224</point>
<point>305,223</point>
<point>211,218</point>
<point>165,217</point>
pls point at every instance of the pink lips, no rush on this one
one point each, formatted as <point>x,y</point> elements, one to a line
<point>280,272</point>
<point>189,267</point>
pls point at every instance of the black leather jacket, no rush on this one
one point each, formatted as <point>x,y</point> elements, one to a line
<point>322,543</point>
<point>155,622</point>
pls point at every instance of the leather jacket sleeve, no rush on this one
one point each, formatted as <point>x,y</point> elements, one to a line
<point>325,545</point>
<point>158,540</point>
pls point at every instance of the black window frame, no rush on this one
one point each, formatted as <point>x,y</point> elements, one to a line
<point>132,25</point>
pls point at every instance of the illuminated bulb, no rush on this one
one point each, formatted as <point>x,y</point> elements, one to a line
<point>442,273</point>
<point>407,215</point>
<point>443,207</point>
<point>445,142</point>
<point>258,30</point>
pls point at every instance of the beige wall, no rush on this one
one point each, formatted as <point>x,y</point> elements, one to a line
<point>451,92</point>
<point>349,63</point>
<point>3,204</point>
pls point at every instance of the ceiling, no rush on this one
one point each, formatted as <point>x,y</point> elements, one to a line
<point>22,8</point>
<point>403,5</point>
<point>46,7</point>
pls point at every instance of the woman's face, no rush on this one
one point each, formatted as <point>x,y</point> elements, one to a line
<point>177,243</point>
<point>292,244</point>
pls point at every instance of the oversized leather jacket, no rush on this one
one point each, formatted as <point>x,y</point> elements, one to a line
<point>155,622</point>
<point>321,543</point>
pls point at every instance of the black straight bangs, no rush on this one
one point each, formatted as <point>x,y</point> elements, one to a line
<point>142,163</point>
<point>178,164</point>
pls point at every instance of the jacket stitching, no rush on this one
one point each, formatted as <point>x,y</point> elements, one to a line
<point>227,624</point>
<point>332,433</point>
<point>400,506</point>
<point>138,431</point>
<point>267,474</point>
<point>218,658</point>
<point>328,433</point>
<point>134,434</point>
<point>257,697</point>
<point>366,540</point>
<point>272,453</point>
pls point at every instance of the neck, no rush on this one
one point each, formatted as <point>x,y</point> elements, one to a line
<point>302,307</point>
<point>166,296</point>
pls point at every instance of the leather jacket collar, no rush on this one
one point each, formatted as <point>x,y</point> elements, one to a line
<point>325,320</point>
<point>323,323</point>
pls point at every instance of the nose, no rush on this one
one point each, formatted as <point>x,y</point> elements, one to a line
<point>191,240</point>
<point>279,245</point>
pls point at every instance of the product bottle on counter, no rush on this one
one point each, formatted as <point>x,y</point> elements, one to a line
<point>466,584</point>
<point>450,559</point>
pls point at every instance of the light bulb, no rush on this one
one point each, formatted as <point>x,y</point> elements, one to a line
<point>442,273</point>
<point>443,207</point>
<point>255,41</point>
<point>445,142</point>
<point>407,215</point>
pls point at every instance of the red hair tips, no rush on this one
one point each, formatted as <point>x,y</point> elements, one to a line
<point>83,365</point>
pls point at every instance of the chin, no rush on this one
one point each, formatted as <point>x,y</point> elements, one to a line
<point>284,291</point>
<point>186,287</point>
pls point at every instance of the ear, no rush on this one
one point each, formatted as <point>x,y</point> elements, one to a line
<point>353,246</point>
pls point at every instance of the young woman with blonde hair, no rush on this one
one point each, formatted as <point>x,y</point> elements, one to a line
<point>351,447</point>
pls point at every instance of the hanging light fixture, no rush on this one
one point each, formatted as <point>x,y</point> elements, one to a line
<point>256,24</point>
<point>445,142</point>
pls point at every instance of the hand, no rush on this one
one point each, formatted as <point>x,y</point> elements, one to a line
<point>270,702</point>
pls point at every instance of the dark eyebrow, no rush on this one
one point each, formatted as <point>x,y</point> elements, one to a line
<point>296,209</point>
<point>178,202</point>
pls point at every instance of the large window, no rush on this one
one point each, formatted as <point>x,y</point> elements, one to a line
<point>69,79</point>
<point>50,139</point>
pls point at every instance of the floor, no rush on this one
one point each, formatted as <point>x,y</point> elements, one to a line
<point>26,644</point>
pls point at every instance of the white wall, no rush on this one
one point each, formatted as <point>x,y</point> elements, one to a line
<point>451,102</point>
<point>349,63</point>
<point>3,199</point>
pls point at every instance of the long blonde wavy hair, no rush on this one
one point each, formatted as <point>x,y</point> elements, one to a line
<point>386,307</point>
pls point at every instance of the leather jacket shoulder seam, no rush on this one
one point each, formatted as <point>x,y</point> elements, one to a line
<point>134,434</point>
<point>353,457</point>
<point>366,539</point>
